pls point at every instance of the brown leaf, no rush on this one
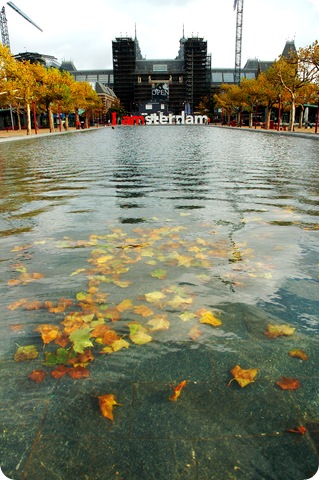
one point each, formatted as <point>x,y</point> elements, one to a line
<point>60,371</point>
<point>79,372</point>
<point>37,375</point>
<point>107,403</point>
<point>288,383</point>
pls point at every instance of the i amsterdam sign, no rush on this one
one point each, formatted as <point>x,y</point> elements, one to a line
<point>155,119</point>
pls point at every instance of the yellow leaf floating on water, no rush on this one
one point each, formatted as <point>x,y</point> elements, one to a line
<point>154,297</point>
<point>107,402</point>
<point>138,333</point>
<point>209,317</point>
<point>143,310</point>
<point>29,352</point>
<point>274,331</point>
<point>116,346</point>
<point>177,391</point>
<point>178,302</point>
<point>125,305</point>
<point>160,322</point>
<point>48,332</point>
<point>243,377</point>
<point>186,316</point>
<point>299,354</point>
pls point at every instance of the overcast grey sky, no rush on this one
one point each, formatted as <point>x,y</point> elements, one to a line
<point>83,30</point>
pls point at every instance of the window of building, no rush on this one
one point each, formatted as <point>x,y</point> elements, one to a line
<point>228,77</point>
<point>159,67</point>
<point>92,78</point>
<point>103,78</point>
<point>148,106</point>
<point>111,78</point>
<point>80,78</point>
<point>217,77</point>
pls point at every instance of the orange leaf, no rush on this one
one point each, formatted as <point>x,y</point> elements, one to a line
<point>107,403</point>
<point>299,354</point>
<point>79,372</point>
<point>302,430</point>
<point>177,391</point>
<point>243,377</point>
<point>100,330</point>
<point>125,305</point>
<point>48,332</point>
<point>143,310</point>
<point>37,375</point>
<point>289,383</point>
<point>60,371</point>
<point>109,337</point>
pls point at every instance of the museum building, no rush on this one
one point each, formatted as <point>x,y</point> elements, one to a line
<point>167,85</point>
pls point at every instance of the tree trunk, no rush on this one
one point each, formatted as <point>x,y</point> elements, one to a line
<point>268,118</point>
<point>50,118</point>
<point>301,116</point>
<point>251,119</point>
<point>292,115</point>
<point>28,119</point>
<point>77,118</point>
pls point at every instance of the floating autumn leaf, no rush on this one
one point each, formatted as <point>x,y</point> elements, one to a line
<point>159,273</point>
<point>299,354</point>
<point>209,317</point>
<point>107,402</point>
<point>81,339</point>
<point>195,333</point>
<point>243,377</point>
<point>125,305</point>
<point>37,376</point>
<point>143,310</point>
<point>112,313</point>
<point>154,297</point>
<point>274,331</point>
<point>186,316</point>
<point>25,278</point>
<point>60,371</point>
<point>48,332</point>
<point>79,372</point>
<point>116,346</point>
<point>62,304</point>
<point>74,372</point>
<point>138,333</point>
<point>61,357</point>
<point>82,359</point>
<point>100,330</point>
<point>159,322</point>
<point>177,391</point>
<point>110,337</point>
<point>29,352</point>
<point>178,302</point>
<point>287,383</point>
<point>17,304</point>
<point>301,430</point>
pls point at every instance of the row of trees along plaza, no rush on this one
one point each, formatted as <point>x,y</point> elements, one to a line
<point>31,89</point>
<point>289,85</point>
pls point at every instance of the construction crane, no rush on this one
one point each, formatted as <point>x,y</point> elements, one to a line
<point>4,23</point>
<point>239,4</point>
